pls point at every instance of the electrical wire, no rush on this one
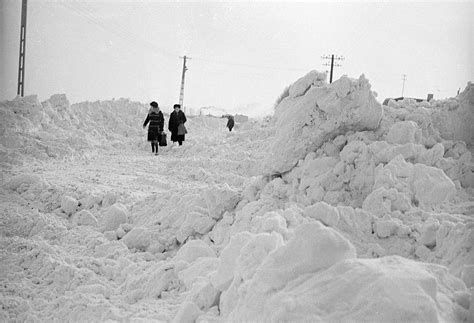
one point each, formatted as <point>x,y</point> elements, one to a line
<point>83,10</point>
<point>118,31</point>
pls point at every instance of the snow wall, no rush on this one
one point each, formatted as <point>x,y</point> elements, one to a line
<point>55,129</point>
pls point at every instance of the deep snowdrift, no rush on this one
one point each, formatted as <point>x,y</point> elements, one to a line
<point>54,128</point>
<point>338,209</point>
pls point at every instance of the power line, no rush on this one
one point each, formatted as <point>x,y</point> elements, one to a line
<point>249,65</point>
<point>254,74</point>
<point>82,10</point>
<point>124,32</point>
<point>86,12</point>
<point>133,36</point>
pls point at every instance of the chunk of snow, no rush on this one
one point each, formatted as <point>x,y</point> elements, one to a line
<point>304,83</point>
<point>385,228</point>
<point>304,123</point>
<point>193,250</point>
<point>202,267</point>
<point>431,185</point>
<point>113,217</point>
<point>22,180</point>
<point>203,294</point>
<point>187,313</point>
<point>141,238</point>
<point>69,204</point>
<point>404,132</point>
<point>227,260</point>
<point>388,289</point>
<point>323,212</point>
<point>84,217</point>
<point>313,247</point>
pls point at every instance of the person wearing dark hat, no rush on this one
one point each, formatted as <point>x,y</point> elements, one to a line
<point>155,128</point>
<point>176,124</point>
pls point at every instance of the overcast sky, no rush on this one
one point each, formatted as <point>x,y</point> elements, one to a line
<point>242,53</point>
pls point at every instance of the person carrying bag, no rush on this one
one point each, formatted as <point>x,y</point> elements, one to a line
<point>156,122</point>
<point>182,129</point>
<point>176,125</point>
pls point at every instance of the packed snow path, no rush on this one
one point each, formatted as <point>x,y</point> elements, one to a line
<point>63,267</point>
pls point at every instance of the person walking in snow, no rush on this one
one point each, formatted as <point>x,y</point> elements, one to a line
<point>155,129</point>
<point>230,122</point>
<point>176,124</point>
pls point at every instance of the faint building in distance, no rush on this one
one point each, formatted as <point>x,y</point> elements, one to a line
<point>428,98</point>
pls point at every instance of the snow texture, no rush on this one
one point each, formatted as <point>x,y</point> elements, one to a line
<point>316,112</point>
<point>335,209</point>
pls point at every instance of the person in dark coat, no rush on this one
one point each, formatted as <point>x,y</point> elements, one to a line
<point>230,122</point>
<point>157,121</point>
<point>177,117</point>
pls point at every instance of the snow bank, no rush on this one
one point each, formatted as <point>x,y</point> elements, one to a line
<point>55,129</point>
<point>315,112</point>
<point>315,276</point>
<point>362,212</point>
<point>390,289</point>
<point>401,173</point>
<point>391,183</point>
<point>450,119</point>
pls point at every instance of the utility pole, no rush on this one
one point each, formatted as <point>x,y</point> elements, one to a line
<point>181,93</point>
<point>404,78</point>
<point>332,58</point>
<point>21,64</point>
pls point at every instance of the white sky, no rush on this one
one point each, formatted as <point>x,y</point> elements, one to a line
<point>243,53</point>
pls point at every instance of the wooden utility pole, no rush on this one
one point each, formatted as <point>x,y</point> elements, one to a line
<point>332,58</point>
<point>181,93</point>
<point>404,78</point>
<point>21,64</point>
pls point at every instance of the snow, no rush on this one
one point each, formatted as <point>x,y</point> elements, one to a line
<point>84,217</point>
<point>193,250</point>
<point>404,132</point>
<point>336,209</point>
<point>315,113</point>
<point>389,289</point>
<point>113,217</point>
<point>323,212</point>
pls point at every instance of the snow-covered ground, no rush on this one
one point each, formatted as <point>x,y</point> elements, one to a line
<point>336,209</point>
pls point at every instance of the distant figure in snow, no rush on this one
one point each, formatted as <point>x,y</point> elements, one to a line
<point>155,129</point>
<point>176,125</point>
<point>230,122</point>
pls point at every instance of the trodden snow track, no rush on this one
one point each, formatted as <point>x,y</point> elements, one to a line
<point>53,269</point>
